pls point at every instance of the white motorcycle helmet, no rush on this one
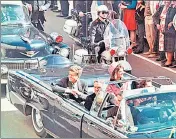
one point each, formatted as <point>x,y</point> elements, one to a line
<point>78,56</point>
<point>102,8</point>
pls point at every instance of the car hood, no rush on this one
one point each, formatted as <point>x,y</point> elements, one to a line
<point>24,36</point>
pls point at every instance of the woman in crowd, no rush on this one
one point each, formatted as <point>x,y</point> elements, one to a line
<point>174,24</point>
<point>163,18</point>
<point>129,9</point>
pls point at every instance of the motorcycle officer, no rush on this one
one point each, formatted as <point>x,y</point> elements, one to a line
<point>37,8</point>
<point>97,30</point>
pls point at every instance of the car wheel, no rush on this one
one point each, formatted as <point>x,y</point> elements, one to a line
<point>37,123</point>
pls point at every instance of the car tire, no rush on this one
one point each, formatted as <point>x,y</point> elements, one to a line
<point>37,123</point>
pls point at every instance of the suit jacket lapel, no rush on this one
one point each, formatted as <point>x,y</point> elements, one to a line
<point>69,84</point>
<point>79,85</point>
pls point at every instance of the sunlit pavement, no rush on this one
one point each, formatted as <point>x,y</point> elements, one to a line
<point>13,123</point>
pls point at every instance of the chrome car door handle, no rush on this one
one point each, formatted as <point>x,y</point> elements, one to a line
<point>91,124</point>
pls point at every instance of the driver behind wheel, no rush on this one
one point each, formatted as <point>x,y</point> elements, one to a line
<point>76,88</point>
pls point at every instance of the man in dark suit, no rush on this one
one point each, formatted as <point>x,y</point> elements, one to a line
<point>96,95</point>
<point>76,88</point>
<point>37,8</point>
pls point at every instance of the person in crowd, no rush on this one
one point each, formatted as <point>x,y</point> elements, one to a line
<point>140,8</point>
<point>129,8</point>
<point>97,30</point>
<point>64,8</point>
<point>163,18</point>
<point>84,7</point>
<point>174,24</point>
<point>96,95</point>
<point>116,8</point>
<point>57,7</point>
<point>71,7</point>
<point>74,86</point>
<point>150,9</point>
<point>53,5</point>
<point>37,8</point>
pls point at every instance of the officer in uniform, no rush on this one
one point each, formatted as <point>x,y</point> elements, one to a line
<point>97,30</point>
<point>37,8</point>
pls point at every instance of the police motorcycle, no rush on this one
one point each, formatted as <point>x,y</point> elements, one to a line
<point>73,28</point>
<point>117,42</point>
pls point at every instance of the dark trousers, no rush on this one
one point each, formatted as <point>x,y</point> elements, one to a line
<point>53,3</point>
<point>162,55</point>
<point>85,23</point>
<point>156,45</point>
<point>115,7</point>
<point>102,49</point>
<point>38,19</point>
<point>64,7</point>
<point>141,33</point>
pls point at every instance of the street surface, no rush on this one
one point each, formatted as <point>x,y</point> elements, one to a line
<point>16,125</point>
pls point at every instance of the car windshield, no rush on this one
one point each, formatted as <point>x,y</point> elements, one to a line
<point>116,34</point>
<point>153,112</point>
<point>13,14</point>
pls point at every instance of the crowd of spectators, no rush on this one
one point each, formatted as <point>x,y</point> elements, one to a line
<point>149,22</point>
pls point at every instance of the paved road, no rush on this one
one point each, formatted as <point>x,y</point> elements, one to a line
<point>14,124</point>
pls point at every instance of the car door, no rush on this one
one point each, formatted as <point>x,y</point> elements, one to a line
<point>69,119</point>
<point>98,126</point>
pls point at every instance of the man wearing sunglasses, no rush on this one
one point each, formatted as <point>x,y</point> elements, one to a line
<point>97,30</point>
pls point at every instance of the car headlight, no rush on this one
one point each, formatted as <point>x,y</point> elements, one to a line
<point>4,69</point>
<point>64,52</point>
<point>121,53</point>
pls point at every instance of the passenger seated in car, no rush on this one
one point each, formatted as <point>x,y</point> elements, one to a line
<point>114,113</point>
<point>116,72</point>
<point>116,101</point>
<point>76,88</point>
<point>96,96</point>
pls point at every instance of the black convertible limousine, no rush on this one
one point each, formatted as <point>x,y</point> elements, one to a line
<point>55,114</point>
